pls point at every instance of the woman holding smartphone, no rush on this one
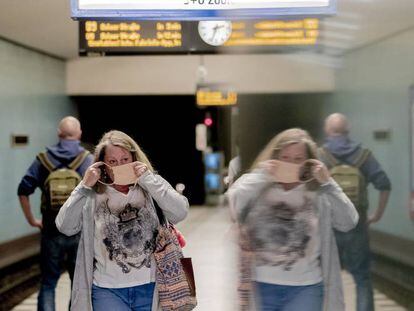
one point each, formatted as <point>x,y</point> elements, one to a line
<point>115,268</point>
<point>286,227</point>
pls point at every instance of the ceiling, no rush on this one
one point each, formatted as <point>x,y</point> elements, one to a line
<point>45,25</point>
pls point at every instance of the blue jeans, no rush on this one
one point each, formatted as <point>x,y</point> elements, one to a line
<point>137,298</point>
<point>273,297</point>
<point>56,252</point>
<point>353,247</point>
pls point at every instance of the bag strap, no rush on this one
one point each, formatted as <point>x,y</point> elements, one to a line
<point>75,164</point>
<point>44,160</point>
<point>363,156</point>
<point>324,153</point>
<point>332,161</point>
<point>161,217</point>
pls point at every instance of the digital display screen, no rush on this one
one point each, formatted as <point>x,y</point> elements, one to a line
<point>214,94</point>
<point>212,181</point>
<point>212,161</point>
<point>198,9</point>
<point>130,37</point>
<point>198,4</point>
<point>174,37</point>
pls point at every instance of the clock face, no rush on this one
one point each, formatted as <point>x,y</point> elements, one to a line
<point>214,32</point>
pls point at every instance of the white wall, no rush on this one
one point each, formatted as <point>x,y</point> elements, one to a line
<point>178,74</point>
<point>373,90</point>
<point>32,101</point>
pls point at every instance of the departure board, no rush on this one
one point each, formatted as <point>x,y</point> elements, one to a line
<point>186,37</point>
<point>197,9</point>
<point>131,37</point>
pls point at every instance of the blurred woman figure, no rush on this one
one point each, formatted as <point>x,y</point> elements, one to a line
<point>115,268</point>
<point>287,208</point>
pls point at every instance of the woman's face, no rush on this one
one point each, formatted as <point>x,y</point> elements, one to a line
<point>115,156</point>
<point>294,153</point>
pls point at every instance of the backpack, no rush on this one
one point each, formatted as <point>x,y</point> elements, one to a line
<point>60,182</point>
<point>348,175</point>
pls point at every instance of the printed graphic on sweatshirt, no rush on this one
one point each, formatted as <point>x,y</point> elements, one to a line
<point>129,235</point>
<point>280,232</point>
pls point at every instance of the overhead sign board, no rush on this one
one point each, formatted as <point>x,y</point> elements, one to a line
<point>215,94</point>
<point>173,37</point>
<point>198,9</point>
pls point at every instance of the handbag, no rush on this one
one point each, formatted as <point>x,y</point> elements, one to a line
<point>174,273</point>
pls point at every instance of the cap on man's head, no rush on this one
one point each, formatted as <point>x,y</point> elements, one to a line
<point>336,124</point>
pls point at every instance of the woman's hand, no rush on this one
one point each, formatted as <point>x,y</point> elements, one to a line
<point>139,168</point>
<point>92,174</point>
<point>320,171</point>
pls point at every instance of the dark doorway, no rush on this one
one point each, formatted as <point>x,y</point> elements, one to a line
<point>262,116</point>
<point>163,126</point>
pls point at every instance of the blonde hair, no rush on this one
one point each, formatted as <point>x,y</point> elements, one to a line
<point>119,139</point>
<point>286,138</point>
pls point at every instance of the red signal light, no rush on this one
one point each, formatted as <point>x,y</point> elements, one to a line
<point>208,121</point>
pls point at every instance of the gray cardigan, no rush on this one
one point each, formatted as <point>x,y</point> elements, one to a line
<point>76,215</point>
<point>336,211</point>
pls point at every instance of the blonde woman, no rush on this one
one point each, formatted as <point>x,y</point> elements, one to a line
<point>115,269</point>
<point>288,227</point>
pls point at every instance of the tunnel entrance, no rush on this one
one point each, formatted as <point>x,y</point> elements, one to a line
<point>163,126</point>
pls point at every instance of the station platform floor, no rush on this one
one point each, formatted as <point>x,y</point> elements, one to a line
<point>211,244</point>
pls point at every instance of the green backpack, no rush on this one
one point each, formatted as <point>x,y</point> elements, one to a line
<point>348,176</point>
<point>60,182</point>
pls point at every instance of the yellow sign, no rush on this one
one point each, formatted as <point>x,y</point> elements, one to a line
<point>207,97</point>
<point>274,33</point>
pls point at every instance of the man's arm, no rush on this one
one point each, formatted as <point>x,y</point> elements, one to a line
<point>27,211</point>
<point>376,175</point>
<point>32,179</point>
<point>382,203</point>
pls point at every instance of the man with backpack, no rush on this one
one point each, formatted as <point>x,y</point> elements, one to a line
<point>354,167</point>
<point>56,172</point>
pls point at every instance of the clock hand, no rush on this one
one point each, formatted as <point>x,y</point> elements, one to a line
<point>214,33</point>
<point>216,28</point>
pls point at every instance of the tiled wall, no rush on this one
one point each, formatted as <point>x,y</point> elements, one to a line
<point>373,90</point>
<point>32,101</point>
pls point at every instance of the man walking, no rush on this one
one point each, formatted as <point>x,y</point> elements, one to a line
<point>56,172</point>
<point>340,151</point>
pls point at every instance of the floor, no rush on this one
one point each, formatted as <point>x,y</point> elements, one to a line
<point>211,244</point>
